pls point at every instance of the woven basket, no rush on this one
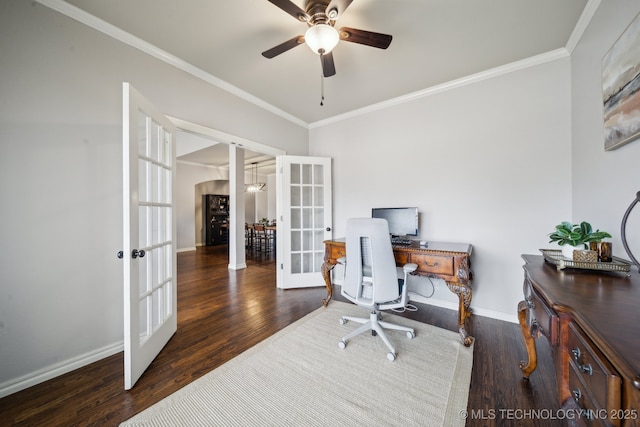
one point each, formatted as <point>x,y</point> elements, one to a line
<point>585,256</point>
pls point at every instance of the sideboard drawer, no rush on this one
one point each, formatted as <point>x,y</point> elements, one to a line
<point>437,264</point>
<point>587,409</point>
<point>599,377</point>
<point>542,319</point>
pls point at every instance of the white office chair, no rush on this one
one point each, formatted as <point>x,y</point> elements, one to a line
<point>371,280</point>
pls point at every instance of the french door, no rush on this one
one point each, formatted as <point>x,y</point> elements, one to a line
<point>304,213</point>
<point>149,253</point>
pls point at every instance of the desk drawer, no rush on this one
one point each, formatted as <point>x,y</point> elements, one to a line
<point>596,373</point>
<point>402,258</point>
<point>436,264</point>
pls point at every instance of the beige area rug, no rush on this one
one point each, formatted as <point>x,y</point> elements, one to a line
<point>299,377</point>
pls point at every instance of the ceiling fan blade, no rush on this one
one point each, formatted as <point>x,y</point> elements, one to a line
<point>328,67</point>
<point>339,6</point>
<point>283,47</point>
<point>379,40</point>
<point>292,9</point>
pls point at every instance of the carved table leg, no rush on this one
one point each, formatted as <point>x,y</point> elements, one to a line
<point>464,311</point>
<point>527,367</point>
<point>327,266</point>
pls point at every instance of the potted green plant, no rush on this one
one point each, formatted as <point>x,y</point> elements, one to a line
<point>575,236</point>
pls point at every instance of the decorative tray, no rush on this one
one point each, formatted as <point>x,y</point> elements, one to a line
<point>554,256</point>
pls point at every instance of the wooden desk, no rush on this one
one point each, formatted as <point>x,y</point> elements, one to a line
<point>448,261</point>
<point>591,320</point>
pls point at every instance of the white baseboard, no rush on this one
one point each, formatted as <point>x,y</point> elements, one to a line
<point>240,266</point>
<point>55,370</point>
<point>498,315</point>
<point>186,249</point>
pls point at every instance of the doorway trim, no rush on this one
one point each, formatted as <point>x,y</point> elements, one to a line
<point>239,142</point>
<point>226,138</point>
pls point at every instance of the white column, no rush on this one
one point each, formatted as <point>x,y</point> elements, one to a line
<point>237,257</point>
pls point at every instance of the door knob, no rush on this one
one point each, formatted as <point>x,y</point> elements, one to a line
<point>328,228</point>
<point>120,254</point>
<point>137,253</point>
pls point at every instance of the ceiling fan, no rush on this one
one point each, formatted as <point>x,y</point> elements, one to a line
<point>321,36</point>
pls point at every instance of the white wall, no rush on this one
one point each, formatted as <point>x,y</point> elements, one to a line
<point>604,182</point>
<point>486,164</point>
<point>61,182</point>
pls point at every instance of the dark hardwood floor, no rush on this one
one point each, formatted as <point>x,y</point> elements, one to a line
<point>221,313</point>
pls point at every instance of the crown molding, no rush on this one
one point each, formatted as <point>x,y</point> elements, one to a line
<point>453,84</point>
<point>581,25</point>
<point>92,21</point>
<point>98,24</point>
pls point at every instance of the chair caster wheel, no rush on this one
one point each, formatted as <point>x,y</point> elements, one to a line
<point>373,333</point>
<point>410,335</point>
<point>343,321</point>
<point>391,356</point>
<point>342,344</point>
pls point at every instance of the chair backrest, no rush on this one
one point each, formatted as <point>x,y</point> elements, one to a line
<point>370,273</point>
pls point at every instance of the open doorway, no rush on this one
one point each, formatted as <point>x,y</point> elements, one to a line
<point>202,157</point>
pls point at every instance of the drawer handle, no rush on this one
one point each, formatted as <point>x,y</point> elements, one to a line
<point>577,394</point>
<point>535,330</point>
<point>530,303</point>
<point>586,369</point>
<point>576,353</point>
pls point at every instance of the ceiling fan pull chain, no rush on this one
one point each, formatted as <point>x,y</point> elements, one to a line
<point>321,84</point>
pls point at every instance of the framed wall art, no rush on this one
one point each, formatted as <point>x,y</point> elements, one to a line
<point>621,88</point>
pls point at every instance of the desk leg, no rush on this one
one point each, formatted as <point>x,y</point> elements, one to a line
<point>463,292</point>
<point>327,266</point>
<point>529,342</point>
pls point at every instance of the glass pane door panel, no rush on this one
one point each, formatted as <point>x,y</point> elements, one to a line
<point>318,174</point>
<point>307,240</point>
<point>144,283</point>
<point>296,219</point>
<point>295,173</point>
<point>295,196</point>
<point>143,322</point>
<point>307,218</point>
<point>157,311</point>
<point>306,174</point>
<point>153,140</point>
<point>168,300</point>
<point>296,240</point>
<point>296,263</point>
<point>142,134</point>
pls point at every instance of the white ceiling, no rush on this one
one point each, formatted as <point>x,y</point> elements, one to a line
<point>434,42</point>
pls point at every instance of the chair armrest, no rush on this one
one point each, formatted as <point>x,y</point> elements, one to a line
<point>409,268</point>
<point>343,261</point>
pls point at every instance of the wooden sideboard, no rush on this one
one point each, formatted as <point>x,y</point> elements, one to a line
<point>592,321</point>
<point>448,261</point>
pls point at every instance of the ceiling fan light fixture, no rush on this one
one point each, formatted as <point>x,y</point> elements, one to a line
<point>321,38</point>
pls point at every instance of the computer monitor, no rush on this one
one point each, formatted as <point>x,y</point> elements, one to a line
<point>402,221</point>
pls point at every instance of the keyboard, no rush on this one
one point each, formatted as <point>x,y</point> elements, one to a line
<point>399,241</point>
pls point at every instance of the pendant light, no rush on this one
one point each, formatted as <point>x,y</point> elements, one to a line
<point>255,186</point>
